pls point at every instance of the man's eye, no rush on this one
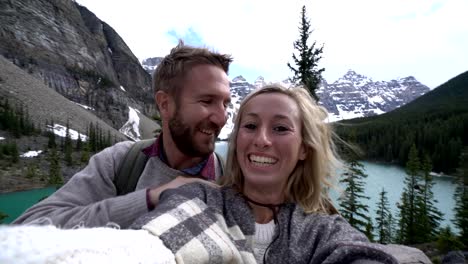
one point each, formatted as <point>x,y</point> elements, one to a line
<point>205,101</point>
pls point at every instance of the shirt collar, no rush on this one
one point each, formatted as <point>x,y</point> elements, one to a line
<point>206,168</point>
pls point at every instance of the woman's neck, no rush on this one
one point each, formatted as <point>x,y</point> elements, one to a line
<point>263,202</point>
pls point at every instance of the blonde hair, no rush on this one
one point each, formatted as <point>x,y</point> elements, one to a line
<point>311,179</point>
<point>171,71</point>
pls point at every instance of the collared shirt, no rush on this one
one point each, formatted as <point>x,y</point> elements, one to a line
<point>206,168</point>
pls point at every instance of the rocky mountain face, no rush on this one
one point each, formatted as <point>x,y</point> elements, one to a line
<point>73,52</point>
<point>150,64</point>
<point>355,95</point>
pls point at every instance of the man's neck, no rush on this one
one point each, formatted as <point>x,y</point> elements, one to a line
<point>175,158</point>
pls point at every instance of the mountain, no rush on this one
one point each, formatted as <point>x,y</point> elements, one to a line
<point>355,95</point>
<point>69,49</point>
<point>150,64</point>
<point>436,123</point>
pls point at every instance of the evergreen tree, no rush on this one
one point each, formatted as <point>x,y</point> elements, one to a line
<point>79,143</point>
<point>408,225</point>
<point>306,71</point>
<point>51,135</point>
<point>429,217</point>
<point>85,153</point>
<point>68,148</point>
<point>14,152</point>
<point>461,197</point>
<point>55,174</point>
<point>384,219</point>
<point>351,205</point>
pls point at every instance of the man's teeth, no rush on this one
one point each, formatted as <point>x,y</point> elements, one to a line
<point>208,132</point>
<point>261,160</point>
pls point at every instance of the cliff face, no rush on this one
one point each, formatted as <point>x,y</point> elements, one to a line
<point>75,53</point>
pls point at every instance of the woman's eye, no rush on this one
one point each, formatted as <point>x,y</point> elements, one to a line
<point>250,126</point>
<point>280,129</point>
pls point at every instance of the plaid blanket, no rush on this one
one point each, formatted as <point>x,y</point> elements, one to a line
<point>195,233</point>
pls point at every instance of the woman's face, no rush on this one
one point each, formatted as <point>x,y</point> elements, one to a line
<point>269,142</point>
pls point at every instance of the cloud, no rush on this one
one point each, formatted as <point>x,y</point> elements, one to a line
<point>381,39</point>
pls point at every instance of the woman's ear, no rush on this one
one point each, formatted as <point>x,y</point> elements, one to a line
<point>302,152</point>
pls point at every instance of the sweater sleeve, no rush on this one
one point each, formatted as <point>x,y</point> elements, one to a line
<point>339,242</point>
<point>89,197</point>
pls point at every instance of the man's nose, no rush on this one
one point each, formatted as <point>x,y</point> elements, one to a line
<point>219,115</point>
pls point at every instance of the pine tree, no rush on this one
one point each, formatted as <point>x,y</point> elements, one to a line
<point>351,205</point>
<point>68,148</point>
<point>55,174</point>
<point>14,152</point>
<point>306,71</point>
<point>384,219</point>
<point>411,201</point>
<point>461,197</point>
<point>429,217</point>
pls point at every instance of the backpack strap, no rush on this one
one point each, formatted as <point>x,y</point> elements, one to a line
<point>220,162</point>
<point>131,167</point>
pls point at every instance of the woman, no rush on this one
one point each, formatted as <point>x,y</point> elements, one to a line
<point>274,197</point>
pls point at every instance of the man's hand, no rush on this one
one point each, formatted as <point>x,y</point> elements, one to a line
<point>154,193</point>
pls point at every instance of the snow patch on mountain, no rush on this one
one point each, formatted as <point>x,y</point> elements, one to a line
<point>131,127</point>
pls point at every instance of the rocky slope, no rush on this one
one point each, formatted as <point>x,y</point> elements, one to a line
<point>69,49</point>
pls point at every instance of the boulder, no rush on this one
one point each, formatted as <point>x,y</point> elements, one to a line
<point>407,255</point>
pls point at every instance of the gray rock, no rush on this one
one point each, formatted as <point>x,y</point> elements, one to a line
<point>454,257</point>
<point>407,255</point>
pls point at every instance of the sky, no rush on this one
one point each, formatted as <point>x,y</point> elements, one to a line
<point>381,39</point>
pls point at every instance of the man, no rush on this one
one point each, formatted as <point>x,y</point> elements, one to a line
<point>191,93</point>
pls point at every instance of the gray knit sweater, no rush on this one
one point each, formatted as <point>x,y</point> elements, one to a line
<point>89,198</point>
<point>300,237</point>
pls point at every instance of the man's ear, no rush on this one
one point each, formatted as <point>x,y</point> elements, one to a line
<point>162,100</point>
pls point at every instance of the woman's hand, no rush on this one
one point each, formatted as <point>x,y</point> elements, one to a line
<point>154,193</point>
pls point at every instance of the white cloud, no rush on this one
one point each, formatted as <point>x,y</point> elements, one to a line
<point>380,39</point>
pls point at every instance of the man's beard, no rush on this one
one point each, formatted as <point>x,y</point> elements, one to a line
<point>183,136</point>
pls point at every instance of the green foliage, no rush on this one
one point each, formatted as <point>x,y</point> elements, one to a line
<point>351,206</point>
<point>16,120</point>
<point>461,197</point>
<point>429,217</point>
<point>68,148</point>
<point>9,151</point>
<point>306,71</point>
<point>55,174</point>
<point>435,122</point>
<point>384,219</point>
<point>2,217</point>
<point>419,218</point>
<point>31,171</point>
<point>447,241</point>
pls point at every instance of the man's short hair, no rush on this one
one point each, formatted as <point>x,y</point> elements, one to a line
<point>171,72</point>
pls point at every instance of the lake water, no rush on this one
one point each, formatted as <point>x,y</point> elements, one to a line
<point>379,176</point>
<point>392,178</point>
<point>15,203</point>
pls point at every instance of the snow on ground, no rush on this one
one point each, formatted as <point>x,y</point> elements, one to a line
<point>61,131</point>
<point>85,106</point>
<point>2,138</point>
<point>132,127</point>
<point>122,88</point>
<point>31,154</point>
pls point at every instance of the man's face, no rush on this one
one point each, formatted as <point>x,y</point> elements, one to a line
<point>200,110</point>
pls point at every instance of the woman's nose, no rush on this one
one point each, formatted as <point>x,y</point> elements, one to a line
<point>262,138</point>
